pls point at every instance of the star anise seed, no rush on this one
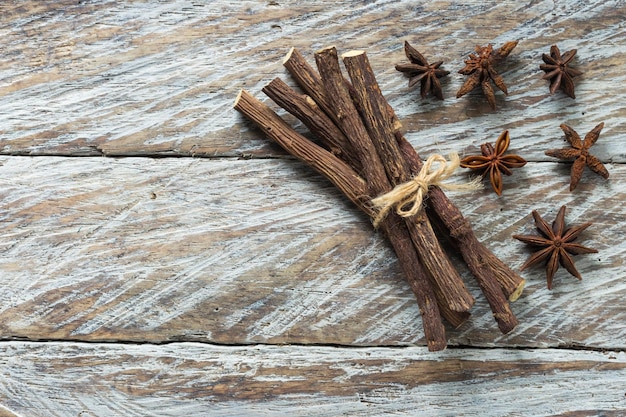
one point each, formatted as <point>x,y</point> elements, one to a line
<point>579,152</point>
<point>557,245</point>
<point>494,162</point>
<point>420,70</point>
<point>558,70</point>
<point>481,70</point>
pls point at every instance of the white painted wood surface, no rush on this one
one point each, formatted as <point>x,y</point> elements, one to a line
<point>264,251</point>
<point>210,247</point>
<point>196,379</point>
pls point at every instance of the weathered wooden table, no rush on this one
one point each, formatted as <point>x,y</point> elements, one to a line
<point>159,257</point>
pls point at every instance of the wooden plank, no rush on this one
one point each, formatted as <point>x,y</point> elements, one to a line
<point>60,379</point>
<point>139,78</point>
<point>265,251</point>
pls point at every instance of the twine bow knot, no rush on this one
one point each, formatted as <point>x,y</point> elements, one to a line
<point>407,197</point>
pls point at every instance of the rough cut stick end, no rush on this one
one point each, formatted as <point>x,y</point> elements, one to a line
<point>434,346</point>
<point>518,291</point>
<point>352,53</point>
<point>241,92</point>
<point>288,56</point>
<point>328,48</point>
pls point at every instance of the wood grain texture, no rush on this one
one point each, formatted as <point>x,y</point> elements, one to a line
<point>196,379</point>
<point>266,251</point>
<point>145,78</point>
<point>154,255</point>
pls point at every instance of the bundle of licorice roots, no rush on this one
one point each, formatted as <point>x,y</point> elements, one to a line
<point>358,146</point>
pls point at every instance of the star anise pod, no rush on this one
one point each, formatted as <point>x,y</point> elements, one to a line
<point>557,245</point>
<point>481,70</point>
<point>494,162</point>
<point>579,152</point>
<point>420,70</point>
<point>558,70</point>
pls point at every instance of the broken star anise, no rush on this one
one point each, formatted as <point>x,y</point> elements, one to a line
<point>481,70</point>
<point>579,152</point>
<point>558,70</point>
<point>557,245</point>
<point>494,161</point>
<point>420,70</point>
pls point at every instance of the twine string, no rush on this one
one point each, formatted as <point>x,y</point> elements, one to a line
<point>407,197</point>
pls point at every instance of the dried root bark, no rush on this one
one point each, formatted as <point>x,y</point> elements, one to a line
<point>362,152</point>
